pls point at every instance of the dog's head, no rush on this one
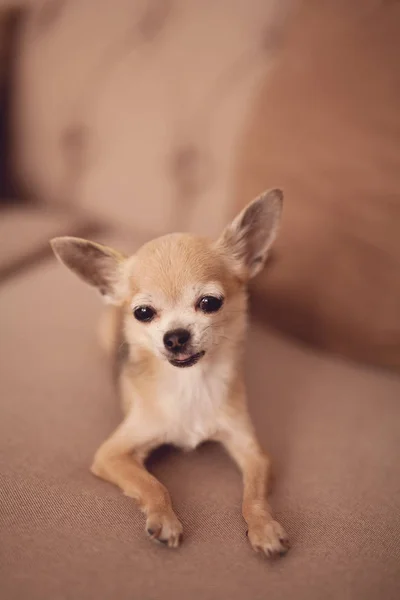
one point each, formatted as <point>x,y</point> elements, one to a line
<point>183,296</point>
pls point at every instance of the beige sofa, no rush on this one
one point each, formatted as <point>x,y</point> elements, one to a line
<point>128,123</point>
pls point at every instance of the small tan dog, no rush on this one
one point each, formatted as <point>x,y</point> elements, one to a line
<point>177,329</point>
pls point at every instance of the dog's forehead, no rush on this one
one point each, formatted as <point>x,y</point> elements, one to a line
<point>175,265</point>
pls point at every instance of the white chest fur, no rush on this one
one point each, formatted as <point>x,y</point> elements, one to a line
<point>191,401</point>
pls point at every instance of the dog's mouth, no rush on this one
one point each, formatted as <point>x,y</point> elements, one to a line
<point>188,361</point>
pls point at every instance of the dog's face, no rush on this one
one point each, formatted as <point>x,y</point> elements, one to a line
<point>183,301</point>
<point>184,297</point>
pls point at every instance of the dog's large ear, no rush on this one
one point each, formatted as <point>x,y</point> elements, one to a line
<point>98,265</point>
<point>248,238</point>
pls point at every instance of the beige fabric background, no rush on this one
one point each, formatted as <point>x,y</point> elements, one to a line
<point>333,432</point>
<point>159,116</point>
<point>325,126</point>
<point>133,110</point>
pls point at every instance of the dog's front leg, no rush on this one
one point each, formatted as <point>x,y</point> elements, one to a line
<point>264,533</point>
<point>120,460</point>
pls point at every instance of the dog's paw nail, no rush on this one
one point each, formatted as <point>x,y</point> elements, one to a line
<point>284,541</point>
<point>165,542</point>
<point>270,537</point>
<point>164,528</point>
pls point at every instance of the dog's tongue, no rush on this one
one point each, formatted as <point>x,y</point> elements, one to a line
<point>182,357</point>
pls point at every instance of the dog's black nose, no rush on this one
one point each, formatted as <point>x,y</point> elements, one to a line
<point>176,339</point>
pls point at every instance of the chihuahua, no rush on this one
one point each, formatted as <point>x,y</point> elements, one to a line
<point>175,326</point>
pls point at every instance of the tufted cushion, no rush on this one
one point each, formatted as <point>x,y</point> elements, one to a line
<point>132,109</point>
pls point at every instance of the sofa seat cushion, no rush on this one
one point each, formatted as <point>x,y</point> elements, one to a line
<point>332,429</point>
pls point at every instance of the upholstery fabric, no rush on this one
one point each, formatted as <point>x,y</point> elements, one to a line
<point>133,109</point>
<point>333,432</point>
<point>325,127</point>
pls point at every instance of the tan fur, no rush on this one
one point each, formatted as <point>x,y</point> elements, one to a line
<point>108,328</point>
<point>163,403</point>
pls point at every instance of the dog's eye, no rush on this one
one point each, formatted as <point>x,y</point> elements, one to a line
<point>144,313</point>
<point>210,304</point>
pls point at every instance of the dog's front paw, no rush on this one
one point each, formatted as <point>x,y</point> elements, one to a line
<point>165,528</point>
<point>269,537</point>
